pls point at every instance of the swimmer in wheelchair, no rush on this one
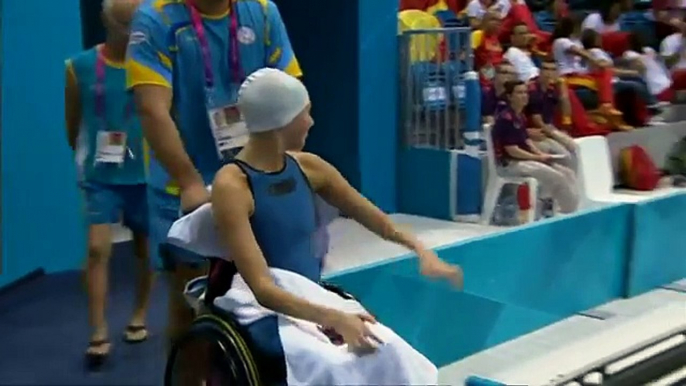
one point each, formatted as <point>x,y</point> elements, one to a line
<point>264,317</point>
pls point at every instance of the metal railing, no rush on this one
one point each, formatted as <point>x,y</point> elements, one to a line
<point>435,73</point>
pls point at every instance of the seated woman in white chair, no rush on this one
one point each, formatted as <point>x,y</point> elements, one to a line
<point>517,155</point>
<point>263,204</point>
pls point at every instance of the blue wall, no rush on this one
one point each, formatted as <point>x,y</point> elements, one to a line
<point>40,220</point>
<point>378,100</point>
<point>326,45</point>
<point>658,246</point>
<point>348,54</point>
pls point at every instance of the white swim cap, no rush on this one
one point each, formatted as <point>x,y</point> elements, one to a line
<point>270,99</point>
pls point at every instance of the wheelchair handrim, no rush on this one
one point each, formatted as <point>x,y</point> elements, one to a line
<point>213,326</point>
<point>238,341</point>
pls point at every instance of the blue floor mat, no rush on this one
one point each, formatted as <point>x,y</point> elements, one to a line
<point>44,331</point>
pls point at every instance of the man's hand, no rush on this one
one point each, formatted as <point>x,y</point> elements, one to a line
<point>432,266</point>
<point>193,196</point>
<point>545,158</point>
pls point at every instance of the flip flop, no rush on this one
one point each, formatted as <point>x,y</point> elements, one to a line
<point>132,330</point>
<point>95,360</point>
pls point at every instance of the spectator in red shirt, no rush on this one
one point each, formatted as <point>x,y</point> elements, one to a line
<point>488,52</point>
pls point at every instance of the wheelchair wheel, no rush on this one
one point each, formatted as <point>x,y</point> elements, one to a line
<point>212,351</point>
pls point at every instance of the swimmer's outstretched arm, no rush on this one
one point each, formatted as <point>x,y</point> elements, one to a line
<point>332,187</point>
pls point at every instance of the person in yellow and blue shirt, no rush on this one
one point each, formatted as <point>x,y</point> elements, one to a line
<point>106,135</point>
<point>186,62</point>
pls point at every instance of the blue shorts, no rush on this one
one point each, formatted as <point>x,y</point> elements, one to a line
<point>164,210</point>
<point>109,204</point>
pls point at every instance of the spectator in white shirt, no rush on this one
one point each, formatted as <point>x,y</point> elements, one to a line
<point>646,61</point>
<point>606,19</point>
<point>626,79</point>
<point>569,54</point>
<point>519,55</point>
<point>673,52</point>
<point>476,9</point>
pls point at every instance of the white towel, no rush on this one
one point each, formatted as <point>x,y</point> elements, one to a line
<point>196,232</point>
<point>311,359</point>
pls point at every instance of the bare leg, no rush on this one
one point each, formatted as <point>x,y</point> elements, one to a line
<point>99,250</point>
<point>144,276</point>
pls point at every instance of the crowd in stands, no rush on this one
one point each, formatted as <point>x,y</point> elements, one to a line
<point>590,74</point>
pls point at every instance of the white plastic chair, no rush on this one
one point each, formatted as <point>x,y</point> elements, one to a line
<point>595,176</point>
<point>495,183</point>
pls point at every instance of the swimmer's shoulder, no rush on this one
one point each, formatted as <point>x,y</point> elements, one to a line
<point>315,168</point>
<point>230,181</point>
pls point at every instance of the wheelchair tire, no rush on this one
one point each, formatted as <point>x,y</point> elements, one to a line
<point>232,357</point>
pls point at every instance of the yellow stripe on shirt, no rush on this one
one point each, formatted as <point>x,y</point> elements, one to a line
<point>139,74</point>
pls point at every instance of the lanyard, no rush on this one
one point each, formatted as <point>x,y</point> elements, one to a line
<point>100,109</point>
<point>196,19</point>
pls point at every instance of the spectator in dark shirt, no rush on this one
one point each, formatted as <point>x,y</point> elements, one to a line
<point>492,96</point>
<point>517,155</point>
<point>548,96</point>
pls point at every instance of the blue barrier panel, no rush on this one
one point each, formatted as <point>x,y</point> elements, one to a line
<point>658,253</point>
<point>424,181</point>
<point>560,266</point>
<point>444,324</point>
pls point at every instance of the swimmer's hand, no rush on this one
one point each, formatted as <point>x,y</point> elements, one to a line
<point>193,196</point>
<point>356,333</point>
<point>432,266</point>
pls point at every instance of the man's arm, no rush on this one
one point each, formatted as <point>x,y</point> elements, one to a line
<point>563,99</point>
<point>535,150</point>
<point>580,52</point>
<point>520,154</point>
<point>279,49</point>
<point>232,205</point>
<point>149,74</point>
<point>153,105</point>
<point>533,109</point>
<point>72,106</point>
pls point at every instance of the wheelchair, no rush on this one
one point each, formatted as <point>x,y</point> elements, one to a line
<point>221,351</point>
